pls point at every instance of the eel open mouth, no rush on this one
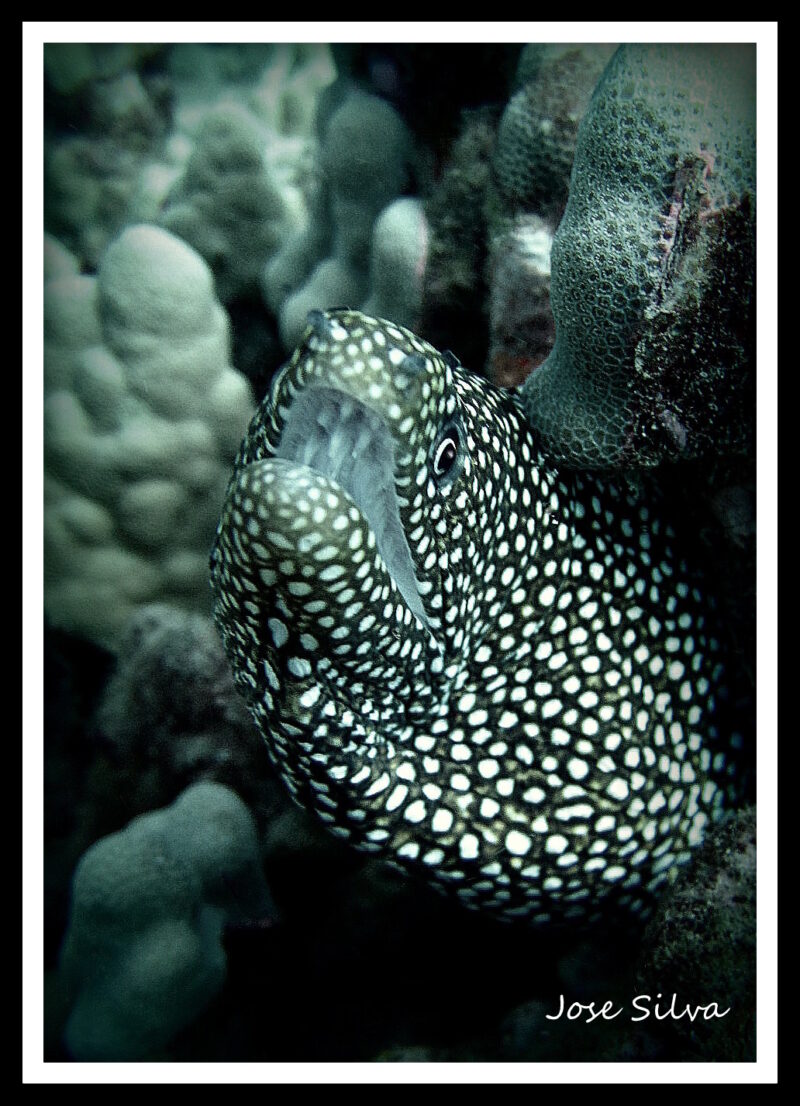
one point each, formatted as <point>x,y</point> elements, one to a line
<point>351,445</point>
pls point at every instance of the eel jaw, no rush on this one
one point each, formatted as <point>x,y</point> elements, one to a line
<point>350,444</point>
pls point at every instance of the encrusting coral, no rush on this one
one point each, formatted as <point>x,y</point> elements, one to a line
<point>143,415</point>
<point>653,266</point>
<point>143,953</point>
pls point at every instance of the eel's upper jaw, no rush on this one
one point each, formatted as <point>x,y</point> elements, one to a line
<point>351,445</point>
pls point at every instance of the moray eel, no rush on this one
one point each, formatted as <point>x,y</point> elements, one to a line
<point>487,670</point>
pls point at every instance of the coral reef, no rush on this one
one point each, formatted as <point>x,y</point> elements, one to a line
<point>143,415</point>
<point>366,151</point>
<point>528,192</point>
<point>143,954</point>
<point>75,672</point>
<point>653,266</point>
<point>227,204</point>
<point>365,162</point>
<point>57,260</point>
<point>278,82</point>
<point>126,734</point>
<point>248,118</point>
<point>70,66</point>
<point>398,260</point>
<point>170,714</point>
<point>431,84</point>
<point>522,326</point>
<point>701,945</point>
<point>95,186</point>
<point>454,286</point>
<point>218,147</point>
<point>115,166</point>
<point>538,131</point>
<point>243,152</point>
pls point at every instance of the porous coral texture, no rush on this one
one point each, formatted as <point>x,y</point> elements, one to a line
<point>653,266</point>
<point>528,192</point>
<point>538,131</point>
<point>454,285</point>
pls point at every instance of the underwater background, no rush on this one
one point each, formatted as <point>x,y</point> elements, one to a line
<point>199,201</point>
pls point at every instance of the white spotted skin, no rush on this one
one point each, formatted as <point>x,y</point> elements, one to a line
<point>538,733</point>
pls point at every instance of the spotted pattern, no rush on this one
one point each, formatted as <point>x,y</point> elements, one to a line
<point>485,669</point>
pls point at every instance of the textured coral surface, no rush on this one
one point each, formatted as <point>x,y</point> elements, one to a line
<point>653,266</point>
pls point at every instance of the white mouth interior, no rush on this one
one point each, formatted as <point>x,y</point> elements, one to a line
<point>350,444</point>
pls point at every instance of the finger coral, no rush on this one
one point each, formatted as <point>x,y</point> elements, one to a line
<point>143,952</point>
<point>365,158</point>
<point>398,262</point>
<point>228,204</point>
<point>537,133</point>
<point>143,414</point>
<point>107,159</point>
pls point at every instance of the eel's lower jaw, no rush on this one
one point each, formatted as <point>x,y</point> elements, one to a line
<point>348,444</point>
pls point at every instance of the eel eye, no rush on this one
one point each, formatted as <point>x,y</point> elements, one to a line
<point>446,451</point>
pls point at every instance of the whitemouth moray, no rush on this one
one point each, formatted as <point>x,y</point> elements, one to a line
<point>487,670</point>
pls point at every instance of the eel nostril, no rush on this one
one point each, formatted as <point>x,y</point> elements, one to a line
<point>319,322</point>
